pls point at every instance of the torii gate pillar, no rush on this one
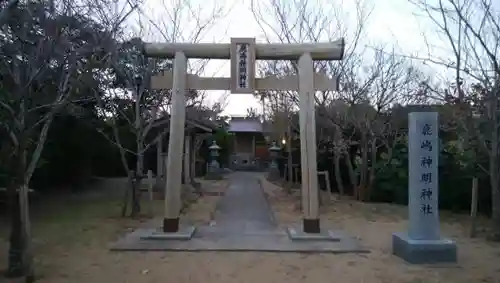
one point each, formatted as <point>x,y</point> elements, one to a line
<point>243,52</point>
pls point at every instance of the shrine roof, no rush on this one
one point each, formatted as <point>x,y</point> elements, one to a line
<point>245,125</point>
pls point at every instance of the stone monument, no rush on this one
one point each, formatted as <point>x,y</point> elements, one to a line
<point>423,243</point>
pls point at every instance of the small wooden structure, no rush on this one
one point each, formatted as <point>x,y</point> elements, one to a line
<point>195,133</point>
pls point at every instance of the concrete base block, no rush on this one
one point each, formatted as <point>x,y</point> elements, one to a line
<point>273,174</point>
<point>296,234</point>
<point>213,174</point>
<point>184,233</point>
<point>423,251</point>
<point>213,177</point>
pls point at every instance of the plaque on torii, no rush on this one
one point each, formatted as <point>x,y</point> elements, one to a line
<point>243,52</point>
<point>242,65</point>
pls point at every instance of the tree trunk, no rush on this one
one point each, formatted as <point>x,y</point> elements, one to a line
<point>363,170</point>
<point>136,184</point>
<point>136,206</point>
<point>131,196</point>
<point>130,180</point>
<point>338,176</point>
<point>371,170</point>
<point>28,265</point>
<point>20,252</point>
<point>473,208</point>
<point>352,175</point>
<point>495,197</point>
<point>16,248</point>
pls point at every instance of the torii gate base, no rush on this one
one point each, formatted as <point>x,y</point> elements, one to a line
<point>243,52</point>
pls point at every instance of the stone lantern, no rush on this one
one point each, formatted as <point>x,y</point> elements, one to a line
<point>213,167</point>
<point>274,173</point>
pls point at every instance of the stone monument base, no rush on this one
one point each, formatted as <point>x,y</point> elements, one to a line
<point>295,233</point>
<point>213,176</point>
<point>273,174</point>
<point>184,233</point>
<point>423,251</point>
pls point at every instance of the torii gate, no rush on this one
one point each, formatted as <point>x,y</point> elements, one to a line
<point>243,52</point>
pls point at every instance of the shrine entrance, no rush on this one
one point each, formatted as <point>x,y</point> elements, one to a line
<point>243,52</point>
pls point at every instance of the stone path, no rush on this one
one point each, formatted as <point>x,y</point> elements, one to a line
<point>243,221</point>
<point>244,208</point>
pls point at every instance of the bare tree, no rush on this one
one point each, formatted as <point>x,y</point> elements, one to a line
<point>369,95</point>
<point>307,21</point>
<point>136,112</point>
<point>132,105</point>
<point>471,31</point>
<point>46,54</point>
<point>369,84</point>
<point>184,21</point>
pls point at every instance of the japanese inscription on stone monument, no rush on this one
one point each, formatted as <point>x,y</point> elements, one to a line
<point>426,177</point>
<point>423,175</point>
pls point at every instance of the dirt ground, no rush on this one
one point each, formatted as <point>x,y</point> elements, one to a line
<point>71,244</point>
<point>373,225</point>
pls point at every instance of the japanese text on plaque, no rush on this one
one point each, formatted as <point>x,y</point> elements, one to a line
<point>242,66</point>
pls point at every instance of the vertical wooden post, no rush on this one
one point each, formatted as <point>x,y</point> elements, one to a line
<point>150,191</point>
<point>235,143</point>
<point>473,208</point>
<point>253,146</point>
<point>307,119</point>
<point>295,174</point>
<point>173,183</point>
<point>194,142</point>
<point>328,185</point>
<point>159,160</point>
<point>285,172</point>
<point>187,160</point>
<point>289,150</point>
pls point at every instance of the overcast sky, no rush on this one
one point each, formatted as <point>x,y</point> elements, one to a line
<point>392,22</point>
